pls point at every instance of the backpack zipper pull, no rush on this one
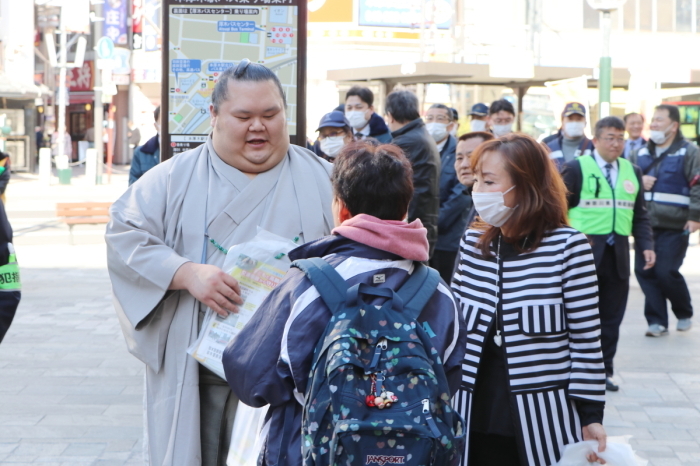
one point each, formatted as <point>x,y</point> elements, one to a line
<point>381,345</point>
<point>429,419</point>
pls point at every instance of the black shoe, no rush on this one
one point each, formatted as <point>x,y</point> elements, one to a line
<point>610,385</point>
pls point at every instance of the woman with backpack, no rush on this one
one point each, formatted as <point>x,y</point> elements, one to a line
<point>359,349</point>
<point>533,376</point>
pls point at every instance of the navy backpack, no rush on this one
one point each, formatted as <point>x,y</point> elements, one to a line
<point>377,391</point>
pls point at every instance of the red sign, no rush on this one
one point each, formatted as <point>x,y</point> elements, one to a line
<point>81,79</point>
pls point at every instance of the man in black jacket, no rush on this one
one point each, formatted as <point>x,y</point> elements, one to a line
<point>606,202</point>
<point>409,133</point>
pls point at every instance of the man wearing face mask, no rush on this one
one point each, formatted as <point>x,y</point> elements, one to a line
<point>671,169</point>
<point>146,156</point>
<point>478,118</point>
<point>570,142</point>
<point>454,204</point>
<point>606,203</point>
<point>360,113</point>
<point>409,133</point>
<point>334,132</point>
<point>501,118</point>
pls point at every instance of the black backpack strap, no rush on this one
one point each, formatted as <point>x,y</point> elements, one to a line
<point>329,284</point>
<point>418,289</point>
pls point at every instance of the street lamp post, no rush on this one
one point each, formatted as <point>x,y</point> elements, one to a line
<point>605,7</point>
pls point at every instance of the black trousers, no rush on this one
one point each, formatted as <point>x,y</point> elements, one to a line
<point>217,405</point>
<point>493,450</point>
<point>444,263</point>
<point>664,281</point>
<point>612,293</point>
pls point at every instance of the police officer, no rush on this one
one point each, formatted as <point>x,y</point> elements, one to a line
<point>570,142</point>
<point>671,168</point>
<point>606,202</point>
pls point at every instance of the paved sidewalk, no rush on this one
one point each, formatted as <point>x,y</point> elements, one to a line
<point>70,394</point>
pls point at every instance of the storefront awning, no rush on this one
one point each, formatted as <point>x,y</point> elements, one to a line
<point>465,73</point>
<point>13,89</point>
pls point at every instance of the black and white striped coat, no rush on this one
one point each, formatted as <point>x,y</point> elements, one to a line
<point>551,336</point>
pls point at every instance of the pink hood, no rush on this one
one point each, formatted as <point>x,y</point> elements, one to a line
<point>408,240</point>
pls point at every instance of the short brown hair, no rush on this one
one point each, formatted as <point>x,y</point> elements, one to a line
<point>373,179</point>
<point>539,188</point>
<point>485,136</point>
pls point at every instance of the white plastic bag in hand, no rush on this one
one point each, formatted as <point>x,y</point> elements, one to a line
<point>617,453</point>
<point>246,438</point>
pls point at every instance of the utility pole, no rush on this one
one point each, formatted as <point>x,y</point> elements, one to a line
<point>61,157</point>
<point>98,111</point>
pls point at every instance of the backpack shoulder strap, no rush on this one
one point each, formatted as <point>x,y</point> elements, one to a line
<point>329,284</point>
<point>418,289</point>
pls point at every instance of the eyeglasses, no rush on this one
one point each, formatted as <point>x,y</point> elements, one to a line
<point>439,119</point>
<point>610,140</point>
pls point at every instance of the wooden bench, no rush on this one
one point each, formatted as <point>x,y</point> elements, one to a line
<point>82,213</point>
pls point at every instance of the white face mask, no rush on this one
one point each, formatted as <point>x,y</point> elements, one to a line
<point>437,130</point>
<point>478,125</point>
<point>331,146</point>
<point>357,118</point>
<point>574,129</point>
<point>491,207</point>
<point>659,137</point>
<point>502,130</point>
<point>453,131</point>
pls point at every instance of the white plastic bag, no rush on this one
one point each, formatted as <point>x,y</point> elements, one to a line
<point>258,265</point>
<point>617,452</point>
<point>246,438</point>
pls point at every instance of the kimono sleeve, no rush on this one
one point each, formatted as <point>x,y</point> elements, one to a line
<point>141,266</point>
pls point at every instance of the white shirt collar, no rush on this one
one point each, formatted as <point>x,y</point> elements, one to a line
<point>602,163</point>
<point>364,131</point>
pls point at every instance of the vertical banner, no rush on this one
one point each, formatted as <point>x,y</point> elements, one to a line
<point>137,24</point>
<point>115,21</point>
<point>206,37</point>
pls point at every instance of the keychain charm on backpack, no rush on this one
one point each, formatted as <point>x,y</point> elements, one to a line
<point>385,398</point>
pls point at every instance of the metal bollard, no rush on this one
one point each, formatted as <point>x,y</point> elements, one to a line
<point>45,166</point>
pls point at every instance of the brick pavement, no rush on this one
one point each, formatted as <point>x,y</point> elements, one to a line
<point>70,394</point>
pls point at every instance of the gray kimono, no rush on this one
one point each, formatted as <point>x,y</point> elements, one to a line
<point>158,225</point>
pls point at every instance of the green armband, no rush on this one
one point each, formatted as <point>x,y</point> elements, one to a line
<point>9,276</point>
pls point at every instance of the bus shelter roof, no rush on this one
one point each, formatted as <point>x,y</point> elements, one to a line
<point>463,73</point>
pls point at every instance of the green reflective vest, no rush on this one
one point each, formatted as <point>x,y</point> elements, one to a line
<point>602,210</point>
<point>9,274</point>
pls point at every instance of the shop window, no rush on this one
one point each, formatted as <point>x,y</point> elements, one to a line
<point>684,15</point>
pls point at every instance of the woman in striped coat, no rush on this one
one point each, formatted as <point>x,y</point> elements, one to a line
<point>532,377</point>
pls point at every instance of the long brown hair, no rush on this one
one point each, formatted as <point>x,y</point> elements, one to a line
<point>539,190</point>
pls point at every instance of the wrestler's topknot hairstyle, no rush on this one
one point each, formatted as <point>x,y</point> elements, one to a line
<point>243,71</point>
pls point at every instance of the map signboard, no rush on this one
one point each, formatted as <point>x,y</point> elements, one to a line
<point>206,37</point>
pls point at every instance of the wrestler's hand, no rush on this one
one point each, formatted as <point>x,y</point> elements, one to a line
<point>209,285</point>
<point>595,431</point>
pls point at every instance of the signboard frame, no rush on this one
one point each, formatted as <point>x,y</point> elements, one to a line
<point>302,21</point>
